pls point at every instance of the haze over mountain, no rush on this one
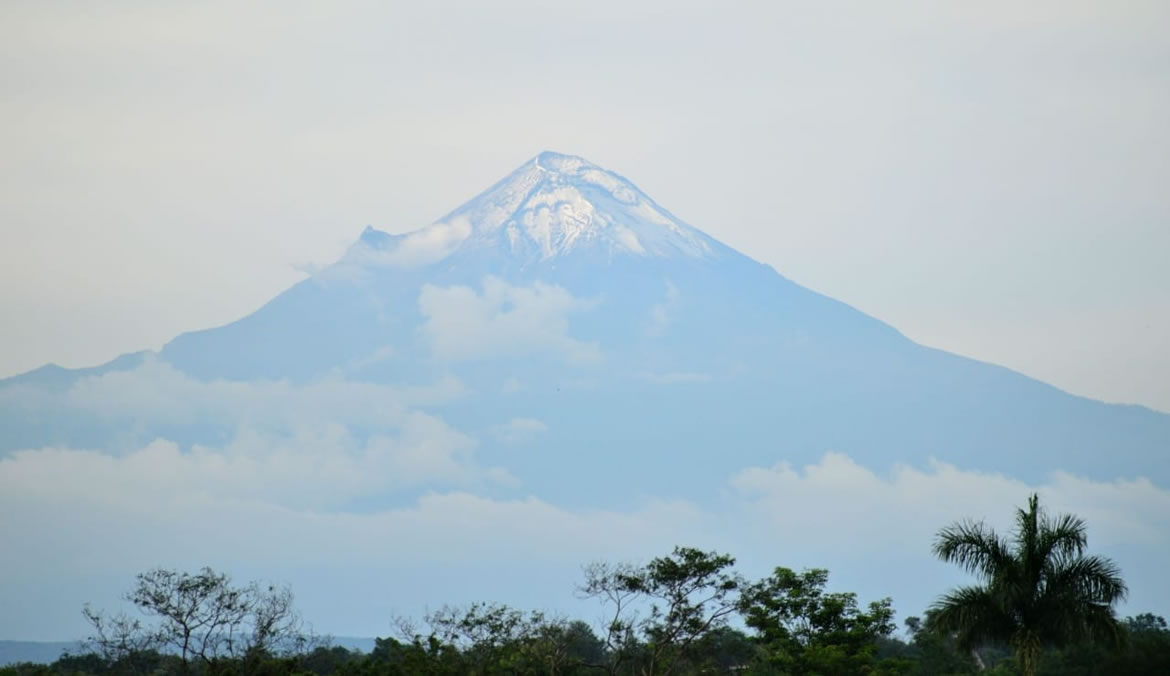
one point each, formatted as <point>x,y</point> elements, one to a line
<point>557,353</point>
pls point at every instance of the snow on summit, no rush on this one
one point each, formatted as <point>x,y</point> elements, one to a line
<point>552,205</point>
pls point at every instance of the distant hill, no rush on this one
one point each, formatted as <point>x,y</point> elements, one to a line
<point>40,652</point>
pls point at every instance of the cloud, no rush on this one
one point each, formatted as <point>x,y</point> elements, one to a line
<point>854,504</point>
<point>78,524</point>
<point>519,430</point>
<point>75,520</point>
<point>342,488</point>
<point>322,444</point>
<point>662,313</point>
<point>874,530</point>
<point>421,247</point>
<point>672,377</point>
<point>503,320</point>
<point>411,250</point>
<point>157,393</point>
<point>321,469</point>
<point>378,356</point>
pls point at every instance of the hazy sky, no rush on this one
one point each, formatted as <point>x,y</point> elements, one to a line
<point>991,178</point>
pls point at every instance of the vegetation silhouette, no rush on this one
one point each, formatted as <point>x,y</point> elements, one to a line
<point>1044,607</point>
<point>1038,589</point>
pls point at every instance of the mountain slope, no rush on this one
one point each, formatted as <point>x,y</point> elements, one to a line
<point>651,356</point>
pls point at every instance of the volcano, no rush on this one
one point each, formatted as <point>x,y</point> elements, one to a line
<point>567,310</point>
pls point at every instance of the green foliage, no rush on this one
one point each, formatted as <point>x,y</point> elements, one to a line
<point>805,630</point>
<point>326,660</point>
<point>485,639</point>
<point>1146,652</point>
<point>689,594</point>
<point>678,614</point>
<point>1039,589</point>
<point>930,652</point>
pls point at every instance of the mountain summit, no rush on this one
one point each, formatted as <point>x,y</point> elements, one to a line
<point>566,304</point>
<point>551,206</point>
<point>557,368</point>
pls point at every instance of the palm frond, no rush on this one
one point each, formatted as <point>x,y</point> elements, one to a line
<point>1027,536</point>
<point>1100,624</point>
<point>974,547</point>
<point>1061,620</point>
<point>1064,536</point>
<point>973,615</point>
<point>1090,579</point>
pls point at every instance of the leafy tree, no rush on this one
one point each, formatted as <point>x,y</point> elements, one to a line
<point>417,655</point>
<point>805,630</point>
<point>1038,589</point>
<point>722,650</point>
<point>1148,642</point>
<point>689,593</point>
<point>1147,652</point>
<point>488,638</point>
<point>933,652</point>
<point>328,660</point>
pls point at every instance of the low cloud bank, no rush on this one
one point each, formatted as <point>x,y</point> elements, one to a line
<point>80,522</point>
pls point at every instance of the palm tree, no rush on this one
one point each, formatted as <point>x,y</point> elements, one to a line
<point>1038,589</point>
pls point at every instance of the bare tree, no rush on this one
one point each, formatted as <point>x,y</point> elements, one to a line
<point>200,616</point>
<point>119,639</point>
<point>610,583</point>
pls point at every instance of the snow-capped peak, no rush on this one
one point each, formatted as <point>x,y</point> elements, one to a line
<point>553,205</point>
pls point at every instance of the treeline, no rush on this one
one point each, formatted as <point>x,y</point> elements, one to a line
<point>1043,607</point>
<point>723,651</point>
<point>686,613</point>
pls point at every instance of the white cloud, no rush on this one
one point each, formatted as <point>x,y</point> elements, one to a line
<point>378,356</point>
<point>874,530</point>
<point>88,518</point>
<point>421,247</point>
<point>319,468</point>
<point>156,392</point>
<point>83,521</point>
<point>673,377</point>
<point>842,504</point>
<point>520,430</point>
<point>662,313</point>
<point>464,324</point>
<point>320,444</point>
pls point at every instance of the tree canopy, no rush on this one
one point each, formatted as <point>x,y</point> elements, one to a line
<point>1043,606</point>
<point>1038,589</point>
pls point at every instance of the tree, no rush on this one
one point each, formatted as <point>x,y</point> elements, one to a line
<point>1038,589</point>
<point>1147,652</point>
<point>689,594</point>
<point>805,630</point>
<point>200,616</point>
<point>607,582</point>
<point>490,638</point>
<point>934,652</point>
<point>327,660</point>
<point>122,640</point>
